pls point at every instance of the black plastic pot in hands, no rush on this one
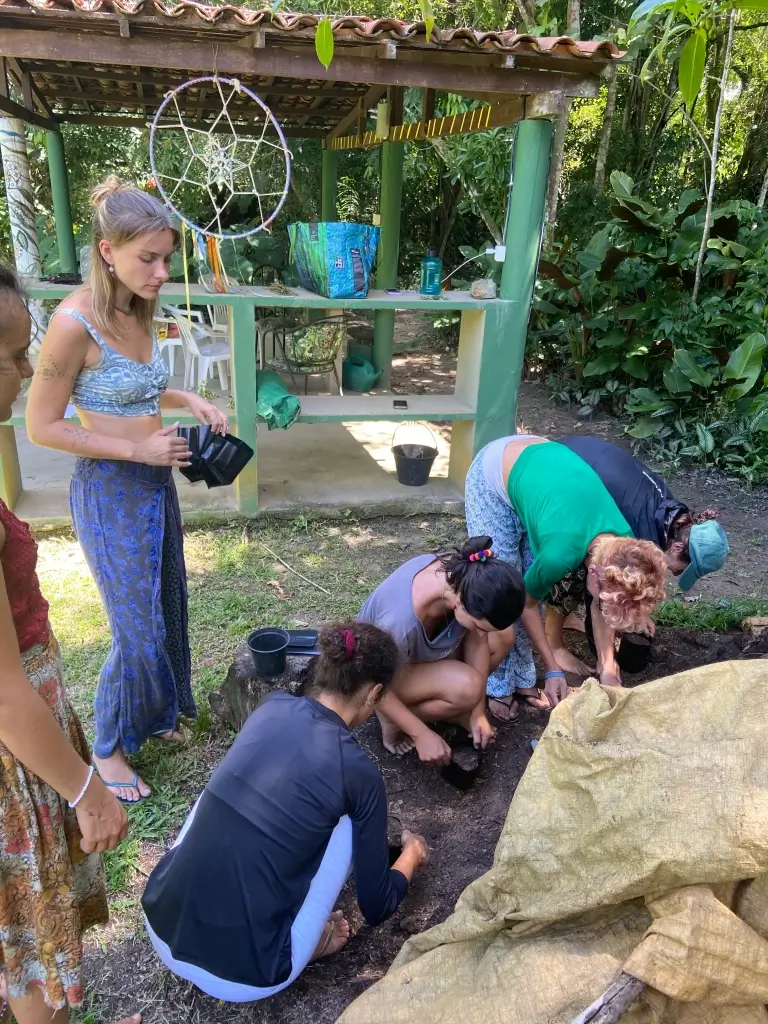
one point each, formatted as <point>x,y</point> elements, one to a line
<point>218,459</point>
<point>634,652</point>
<point>269,648</point>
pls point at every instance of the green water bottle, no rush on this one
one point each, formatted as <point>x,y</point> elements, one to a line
<point>431,275</point>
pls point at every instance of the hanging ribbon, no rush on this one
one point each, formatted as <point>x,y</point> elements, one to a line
<point>186,267</point>
<point>214,260</point>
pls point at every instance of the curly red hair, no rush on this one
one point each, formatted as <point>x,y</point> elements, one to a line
<point>631,577</point>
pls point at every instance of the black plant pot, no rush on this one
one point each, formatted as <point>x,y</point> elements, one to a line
<point>268,649</point>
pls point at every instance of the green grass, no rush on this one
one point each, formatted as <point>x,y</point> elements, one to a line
<point>718,616</point>
<point>235,585</point>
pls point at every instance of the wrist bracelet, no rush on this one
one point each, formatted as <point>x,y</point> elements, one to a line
<point>553,673</point>
<point>81,794</point>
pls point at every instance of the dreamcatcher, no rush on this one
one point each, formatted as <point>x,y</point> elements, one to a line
<point>218,165</point>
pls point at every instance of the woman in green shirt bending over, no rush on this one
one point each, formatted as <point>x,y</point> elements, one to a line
<point>549,512</point>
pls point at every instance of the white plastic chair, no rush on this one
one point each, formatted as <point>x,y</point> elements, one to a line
<point>169,344</point>
<point>218,315</point>
<point>213,352</point>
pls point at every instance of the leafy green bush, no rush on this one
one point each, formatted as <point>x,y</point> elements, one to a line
<point>690,375</point>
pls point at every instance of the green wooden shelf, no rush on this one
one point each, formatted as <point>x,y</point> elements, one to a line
<point>337,409</point>
<point>175,295</point>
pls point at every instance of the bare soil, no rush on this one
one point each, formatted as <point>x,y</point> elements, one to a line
<point>462,830</point>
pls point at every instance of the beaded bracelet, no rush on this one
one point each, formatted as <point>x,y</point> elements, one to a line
<point>81,794</point>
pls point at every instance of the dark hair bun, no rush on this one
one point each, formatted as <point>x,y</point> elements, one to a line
<point>354,654</point>
<point>492,590</point>
<point>333,644</point>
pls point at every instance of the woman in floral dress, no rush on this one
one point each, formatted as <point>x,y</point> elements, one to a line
<point>56,816</point>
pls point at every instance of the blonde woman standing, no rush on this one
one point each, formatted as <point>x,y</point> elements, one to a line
<point>101,353</point>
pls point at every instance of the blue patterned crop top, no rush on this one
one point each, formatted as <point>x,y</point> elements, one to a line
<point>116,385</point>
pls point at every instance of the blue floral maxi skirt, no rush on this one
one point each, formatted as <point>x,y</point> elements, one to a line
<point>127,520</point>
<point>489,515</point>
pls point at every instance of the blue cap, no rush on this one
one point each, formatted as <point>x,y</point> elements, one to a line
<point>708,550</point>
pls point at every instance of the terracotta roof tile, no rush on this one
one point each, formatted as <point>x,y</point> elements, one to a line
<point>361,28</point>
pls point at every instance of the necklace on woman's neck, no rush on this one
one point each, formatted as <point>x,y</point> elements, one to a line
<point>125,312</point>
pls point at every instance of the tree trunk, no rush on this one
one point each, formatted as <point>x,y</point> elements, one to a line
<point>755,154</point>
<point>527,11</point>
<point>605,134</point>
<point>477,206</point>
<point>763,190</point>
<point>556,167</point>
<point>573,29</point>
<point>715,147</point>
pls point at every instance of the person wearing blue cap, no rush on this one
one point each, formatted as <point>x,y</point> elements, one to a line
<point>694,545</point>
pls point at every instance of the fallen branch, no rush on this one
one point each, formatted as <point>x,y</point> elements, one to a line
<point>613,1003</point>
<point>295,572</point>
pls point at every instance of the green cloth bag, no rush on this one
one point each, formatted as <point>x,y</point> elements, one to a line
<point>274,404</point>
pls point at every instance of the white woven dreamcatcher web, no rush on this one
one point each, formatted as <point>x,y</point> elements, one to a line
<point>217,160</point>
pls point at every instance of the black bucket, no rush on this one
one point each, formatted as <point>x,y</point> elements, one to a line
<point>268,649</point>
<point>413,462</point>
<point>634,652</point>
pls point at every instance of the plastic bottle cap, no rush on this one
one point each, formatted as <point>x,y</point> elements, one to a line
<point>431,251</point>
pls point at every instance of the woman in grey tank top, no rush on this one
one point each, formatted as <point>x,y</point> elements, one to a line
<point>453,618</point>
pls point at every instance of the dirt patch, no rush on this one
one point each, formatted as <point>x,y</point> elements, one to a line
<point>462,831</point>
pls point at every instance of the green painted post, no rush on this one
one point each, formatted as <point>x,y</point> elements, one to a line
<point>389,247</point>
<point>242,323</point>
<point>506,326</point>
<point>330,170</point>
<point>62,212</point>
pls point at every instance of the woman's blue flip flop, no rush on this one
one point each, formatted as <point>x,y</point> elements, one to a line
<point>134,784</point>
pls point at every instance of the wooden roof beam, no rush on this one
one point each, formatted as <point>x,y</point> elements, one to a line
<point>164,51</point>
<point>23,75</point>
<point>122,74</point>
<point>126,121</point>
<point>13,109</point>
<point>371,98</point>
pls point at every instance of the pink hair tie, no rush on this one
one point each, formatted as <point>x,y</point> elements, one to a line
<point>481,556</point>
<point>349,643</point>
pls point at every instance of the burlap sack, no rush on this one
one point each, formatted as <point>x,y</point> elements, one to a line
<point>635,805</point>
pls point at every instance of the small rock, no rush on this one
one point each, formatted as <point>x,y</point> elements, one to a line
<point>411,925</point>
<point>756,625</point>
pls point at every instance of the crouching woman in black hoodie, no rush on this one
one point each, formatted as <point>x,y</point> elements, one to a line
<point>244,899</point>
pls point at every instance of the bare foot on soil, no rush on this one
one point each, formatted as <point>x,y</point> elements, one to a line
<point>568,662</point>
<point>575,622</point>
<point>135,1019</point>
<point>533,698</point>
<point>504,709</point>
<point>335,936</point>
<point>394,739</point>
<point>115,769</point>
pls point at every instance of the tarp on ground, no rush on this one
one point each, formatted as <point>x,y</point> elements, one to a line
<point>627,847</point>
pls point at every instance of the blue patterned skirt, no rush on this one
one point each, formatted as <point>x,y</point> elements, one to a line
<point>127,520</point>
<point>488,515</point>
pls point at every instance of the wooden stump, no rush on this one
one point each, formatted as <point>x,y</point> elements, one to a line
<point>242,690</point>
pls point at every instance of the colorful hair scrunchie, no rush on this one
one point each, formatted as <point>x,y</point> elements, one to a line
<point>481,556</point>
